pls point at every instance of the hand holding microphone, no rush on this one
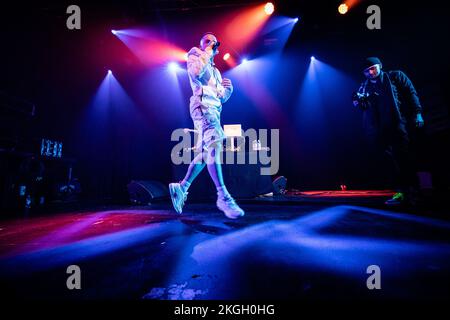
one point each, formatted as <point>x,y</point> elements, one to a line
<point>211,49</point>
<point>216,45</point>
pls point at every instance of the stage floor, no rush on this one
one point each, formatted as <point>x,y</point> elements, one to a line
<point>282,249</point>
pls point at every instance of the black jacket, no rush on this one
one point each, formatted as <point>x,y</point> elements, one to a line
<point>402,97</point>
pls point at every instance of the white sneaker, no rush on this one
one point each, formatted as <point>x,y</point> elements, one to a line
<point>178,196</point>
<point>230,207</point>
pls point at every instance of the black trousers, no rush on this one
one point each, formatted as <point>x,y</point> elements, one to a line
<point>397,146</point>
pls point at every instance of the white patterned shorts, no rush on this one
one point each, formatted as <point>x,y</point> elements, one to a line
<point>207,123</point>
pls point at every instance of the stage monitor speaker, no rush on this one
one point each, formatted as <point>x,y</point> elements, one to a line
<point>145,192</point>
<point>279,185</point>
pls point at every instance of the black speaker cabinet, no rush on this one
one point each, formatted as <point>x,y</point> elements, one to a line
<point>146,192</point>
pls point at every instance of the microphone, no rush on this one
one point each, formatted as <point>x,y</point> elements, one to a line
<point>216,45</point>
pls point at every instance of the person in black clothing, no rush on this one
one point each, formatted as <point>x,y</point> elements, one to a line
<point>391,109</point>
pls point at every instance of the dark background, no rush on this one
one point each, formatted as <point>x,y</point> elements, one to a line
<point>60,71</point>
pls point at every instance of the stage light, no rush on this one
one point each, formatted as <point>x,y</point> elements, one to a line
<point>173,67</point>
<point>343,8</point>
<point>114,32</point>
<point>313,58</point>
<point>269,8</point>
<point>185,57</point>
<point>295,20</point>
<point>109,72</point>
<point>226,56</point>
<point>245,60</point>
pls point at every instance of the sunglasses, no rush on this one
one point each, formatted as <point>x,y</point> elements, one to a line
<point>216,43</point>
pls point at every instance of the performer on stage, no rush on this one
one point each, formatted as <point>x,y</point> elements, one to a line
<point>391,109</point>
<point>209,92</point>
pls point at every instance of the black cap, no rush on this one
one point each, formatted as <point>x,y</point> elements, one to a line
<point>370,61</point>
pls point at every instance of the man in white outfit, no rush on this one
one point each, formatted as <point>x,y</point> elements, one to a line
<point>209,92</point>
